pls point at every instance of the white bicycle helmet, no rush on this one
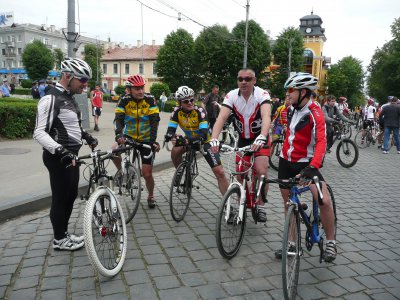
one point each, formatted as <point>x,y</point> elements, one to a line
<point>301,81</point>
<point>76,67</point>
<point>184,92</point>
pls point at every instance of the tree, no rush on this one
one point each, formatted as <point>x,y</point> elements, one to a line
<point>156,90</point>
<point>258,50</point>
<point>290,41</point>
<point>93,54</point>
<point>384,68</point>
<point>346,78</point>
<point>212,47</point>
<point>176,61</point>
<point>58,57</point>
<point>38,60</point>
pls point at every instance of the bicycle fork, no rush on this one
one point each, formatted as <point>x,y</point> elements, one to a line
<point>242,203</point>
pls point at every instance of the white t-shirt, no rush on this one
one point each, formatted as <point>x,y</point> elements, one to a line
<point>370,112</point>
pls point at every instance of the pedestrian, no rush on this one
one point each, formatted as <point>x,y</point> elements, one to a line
<point>163,100</point>
<point>96,98</point>
<point>5,88</point>
<point>211,105</point>
<point>42,87</point>
<point>391,118</point>
<point>35,90</point>
<point>58,130</point>
<point>275,105</point>
<point>12,85</point>
<point>137,117</point>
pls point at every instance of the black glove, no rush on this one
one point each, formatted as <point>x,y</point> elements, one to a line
<point>119,136</point>
<point>92,141</point>
<point>66,156</point>
<point>309,172</point>
<point>168,137</point>
<point>155,146</point>
<point>180,141</point>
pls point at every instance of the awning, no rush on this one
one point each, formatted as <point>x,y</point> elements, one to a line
<point>54,73</point>
<point>13,71</point>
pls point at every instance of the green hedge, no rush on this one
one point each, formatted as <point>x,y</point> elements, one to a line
<point>20,91</point>
<point>17,117</point>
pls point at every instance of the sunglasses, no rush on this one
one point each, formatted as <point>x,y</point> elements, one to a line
<point>290,90</point>
<point>247,79</point>
<point>188,101</point>
<point>138,88</point>
<point>82,79</point>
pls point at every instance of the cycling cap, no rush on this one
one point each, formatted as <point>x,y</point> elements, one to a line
<point>76,67</point>
<point>184,92</point>
<point>301,81</point>
<point>135,80</point>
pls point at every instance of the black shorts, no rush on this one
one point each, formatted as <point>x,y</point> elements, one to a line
<point>212,158</point>
<point>146,152</point>
<point>288,169</point>
<point>367,123</point>
<point>96,111</point>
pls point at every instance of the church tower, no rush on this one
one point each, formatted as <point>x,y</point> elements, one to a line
<point>314,39</point>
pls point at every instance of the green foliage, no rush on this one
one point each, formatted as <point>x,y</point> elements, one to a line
<point>26,83</point>
<point>38,60</point>
<point>119,89</point>
<point>22,92</point>
<point>384,69</point>
<point>93,55</point>
<point>58,57</point>
<point>157,88</point>
<point>176,61</point>
<point>346,79</point>
<point>17,118</point>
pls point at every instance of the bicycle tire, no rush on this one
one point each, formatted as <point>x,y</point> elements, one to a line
<point>358,139</point>
<point>347,153</point>
<point>291,260</point>
<point>131,192</point>
<point>105,233</point>
<point>229,233</point>
<point>276,146</point>
<point>180,192</point>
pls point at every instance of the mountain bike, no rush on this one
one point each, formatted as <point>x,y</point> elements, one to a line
<point>228,132</point>
<point>276,148</point>
<point>182,182</point>
<point>127,181</point>
<point>292,249</point>
<point>243,193</point>
<point>103,220</point>
<point>346,151</point>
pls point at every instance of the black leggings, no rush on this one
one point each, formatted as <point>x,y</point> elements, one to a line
<point>64,189</point>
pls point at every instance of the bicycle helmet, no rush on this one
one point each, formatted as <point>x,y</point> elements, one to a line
<point>76,67</point>
<point>370,101</point>
<point>135,80</point>
<point>184,92</point>
<point>342,99</point>
<point>301,81</point>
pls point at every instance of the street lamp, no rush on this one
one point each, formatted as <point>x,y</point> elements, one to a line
<point>97,60</point>
<point>245,35</point>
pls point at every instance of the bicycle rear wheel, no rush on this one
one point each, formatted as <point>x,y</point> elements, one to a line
<point>276,147</point>
<point>361,139</point>
<point>229,231</point>
<point>291,251</point>
<point>347,153</point>
<point>131,191</point>
<point>105,233</point>
<point>180,192</point>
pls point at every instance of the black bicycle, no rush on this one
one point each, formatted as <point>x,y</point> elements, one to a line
<point>346,150</point>
<point>182,182</point>
<point>276,148</point>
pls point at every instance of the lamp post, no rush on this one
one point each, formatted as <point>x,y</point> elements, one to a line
<point>245,35</point>
<point>97,60</point>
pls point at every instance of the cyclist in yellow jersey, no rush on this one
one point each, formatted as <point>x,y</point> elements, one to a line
<point>192,120</point>
<point>137,117</point>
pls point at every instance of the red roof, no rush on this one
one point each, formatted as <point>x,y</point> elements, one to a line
<point>134,53</point>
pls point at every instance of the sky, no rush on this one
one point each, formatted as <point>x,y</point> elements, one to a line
<point>352,27</point>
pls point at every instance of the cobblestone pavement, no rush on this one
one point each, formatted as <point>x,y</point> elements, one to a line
<point>169,260</point>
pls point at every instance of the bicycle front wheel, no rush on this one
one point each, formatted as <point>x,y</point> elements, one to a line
<point>180,192</point>
<point>105,233</point>
<point>131,191</point>
<point>347,131</point>
<point>276,147</point>
<point>229,228</point>
<point>347,153</point>
<point>291,251</point>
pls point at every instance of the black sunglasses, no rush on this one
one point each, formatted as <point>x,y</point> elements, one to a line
<point>247,79</point>
<point>82,79</point>
<point>187,101</point>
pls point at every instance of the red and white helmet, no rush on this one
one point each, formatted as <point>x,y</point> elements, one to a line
<point>135,80</point>
<point>342,99</point>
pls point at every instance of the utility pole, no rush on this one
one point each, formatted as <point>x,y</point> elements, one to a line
<point>97,61</point>
<point>245,35</point>
<point>71,36</point>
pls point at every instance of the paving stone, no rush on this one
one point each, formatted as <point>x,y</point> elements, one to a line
<point>388,280</point>
<point>235,288</point>
<point>26,282</point>
<point>349,284</point>
<point>370,282</point>
<point>50,283</point>
<point>211,291</point>
<point>109,286</point>
<point>23,294</point>
<point>143,291</point>
<point>183,265</point>
<point>160,270</point>
<point>176,252</point>
<point>115,297</point>
<point>384,296</point>
<point>192,279</point>
<point>167,282</point>
<point>83,284</point>
<point>182,293</point>
<point>31,271</point>
<point>54,294</point>
<point>137,277</point>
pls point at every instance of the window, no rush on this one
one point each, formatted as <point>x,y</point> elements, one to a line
<point>13,38</point>
<point>126,68</point>
<point>20,64</point>
<point>304,22</point>
<point>19,38</point>
<point>154,69</point>
<point>46,42</point>
<point>104,68</point>
<point>12,64</point>
<point>3,51</point>
<point>2,39</point>
<point>316,22</point>
<point>4,64</point>
<point>141,68</point>
<point>308,57</point>
<point>8,38</point>
<point>115,68</point>
<point>19,51</point>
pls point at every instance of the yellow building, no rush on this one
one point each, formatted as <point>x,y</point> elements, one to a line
<point>314,60</point>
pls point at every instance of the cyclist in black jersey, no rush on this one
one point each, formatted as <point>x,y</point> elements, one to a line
<point>137,117</point>
<point>58,129</point>
<point>193,122</point>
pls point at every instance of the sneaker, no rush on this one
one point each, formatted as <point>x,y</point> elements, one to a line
<point>261,214</point>
<point>379,146</point>
<point>75,238</point>
<point>66,244</point>
<point>385,152</point>
<point>398,152</point>
<point>278,253</point>
<point>330,252</point>
<point>151,202</point>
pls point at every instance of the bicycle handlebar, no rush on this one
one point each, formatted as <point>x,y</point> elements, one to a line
<point>138,145</point>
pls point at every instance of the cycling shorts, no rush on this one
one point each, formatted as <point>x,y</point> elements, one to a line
<point>146,152</point>
<point>288,169</point>
<point>96,111</point>
<point>264,151</point>
<point>367,123</point>
<point>213,159</point>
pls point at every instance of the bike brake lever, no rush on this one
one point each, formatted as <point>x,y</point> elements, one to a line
<point>316,181</point>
